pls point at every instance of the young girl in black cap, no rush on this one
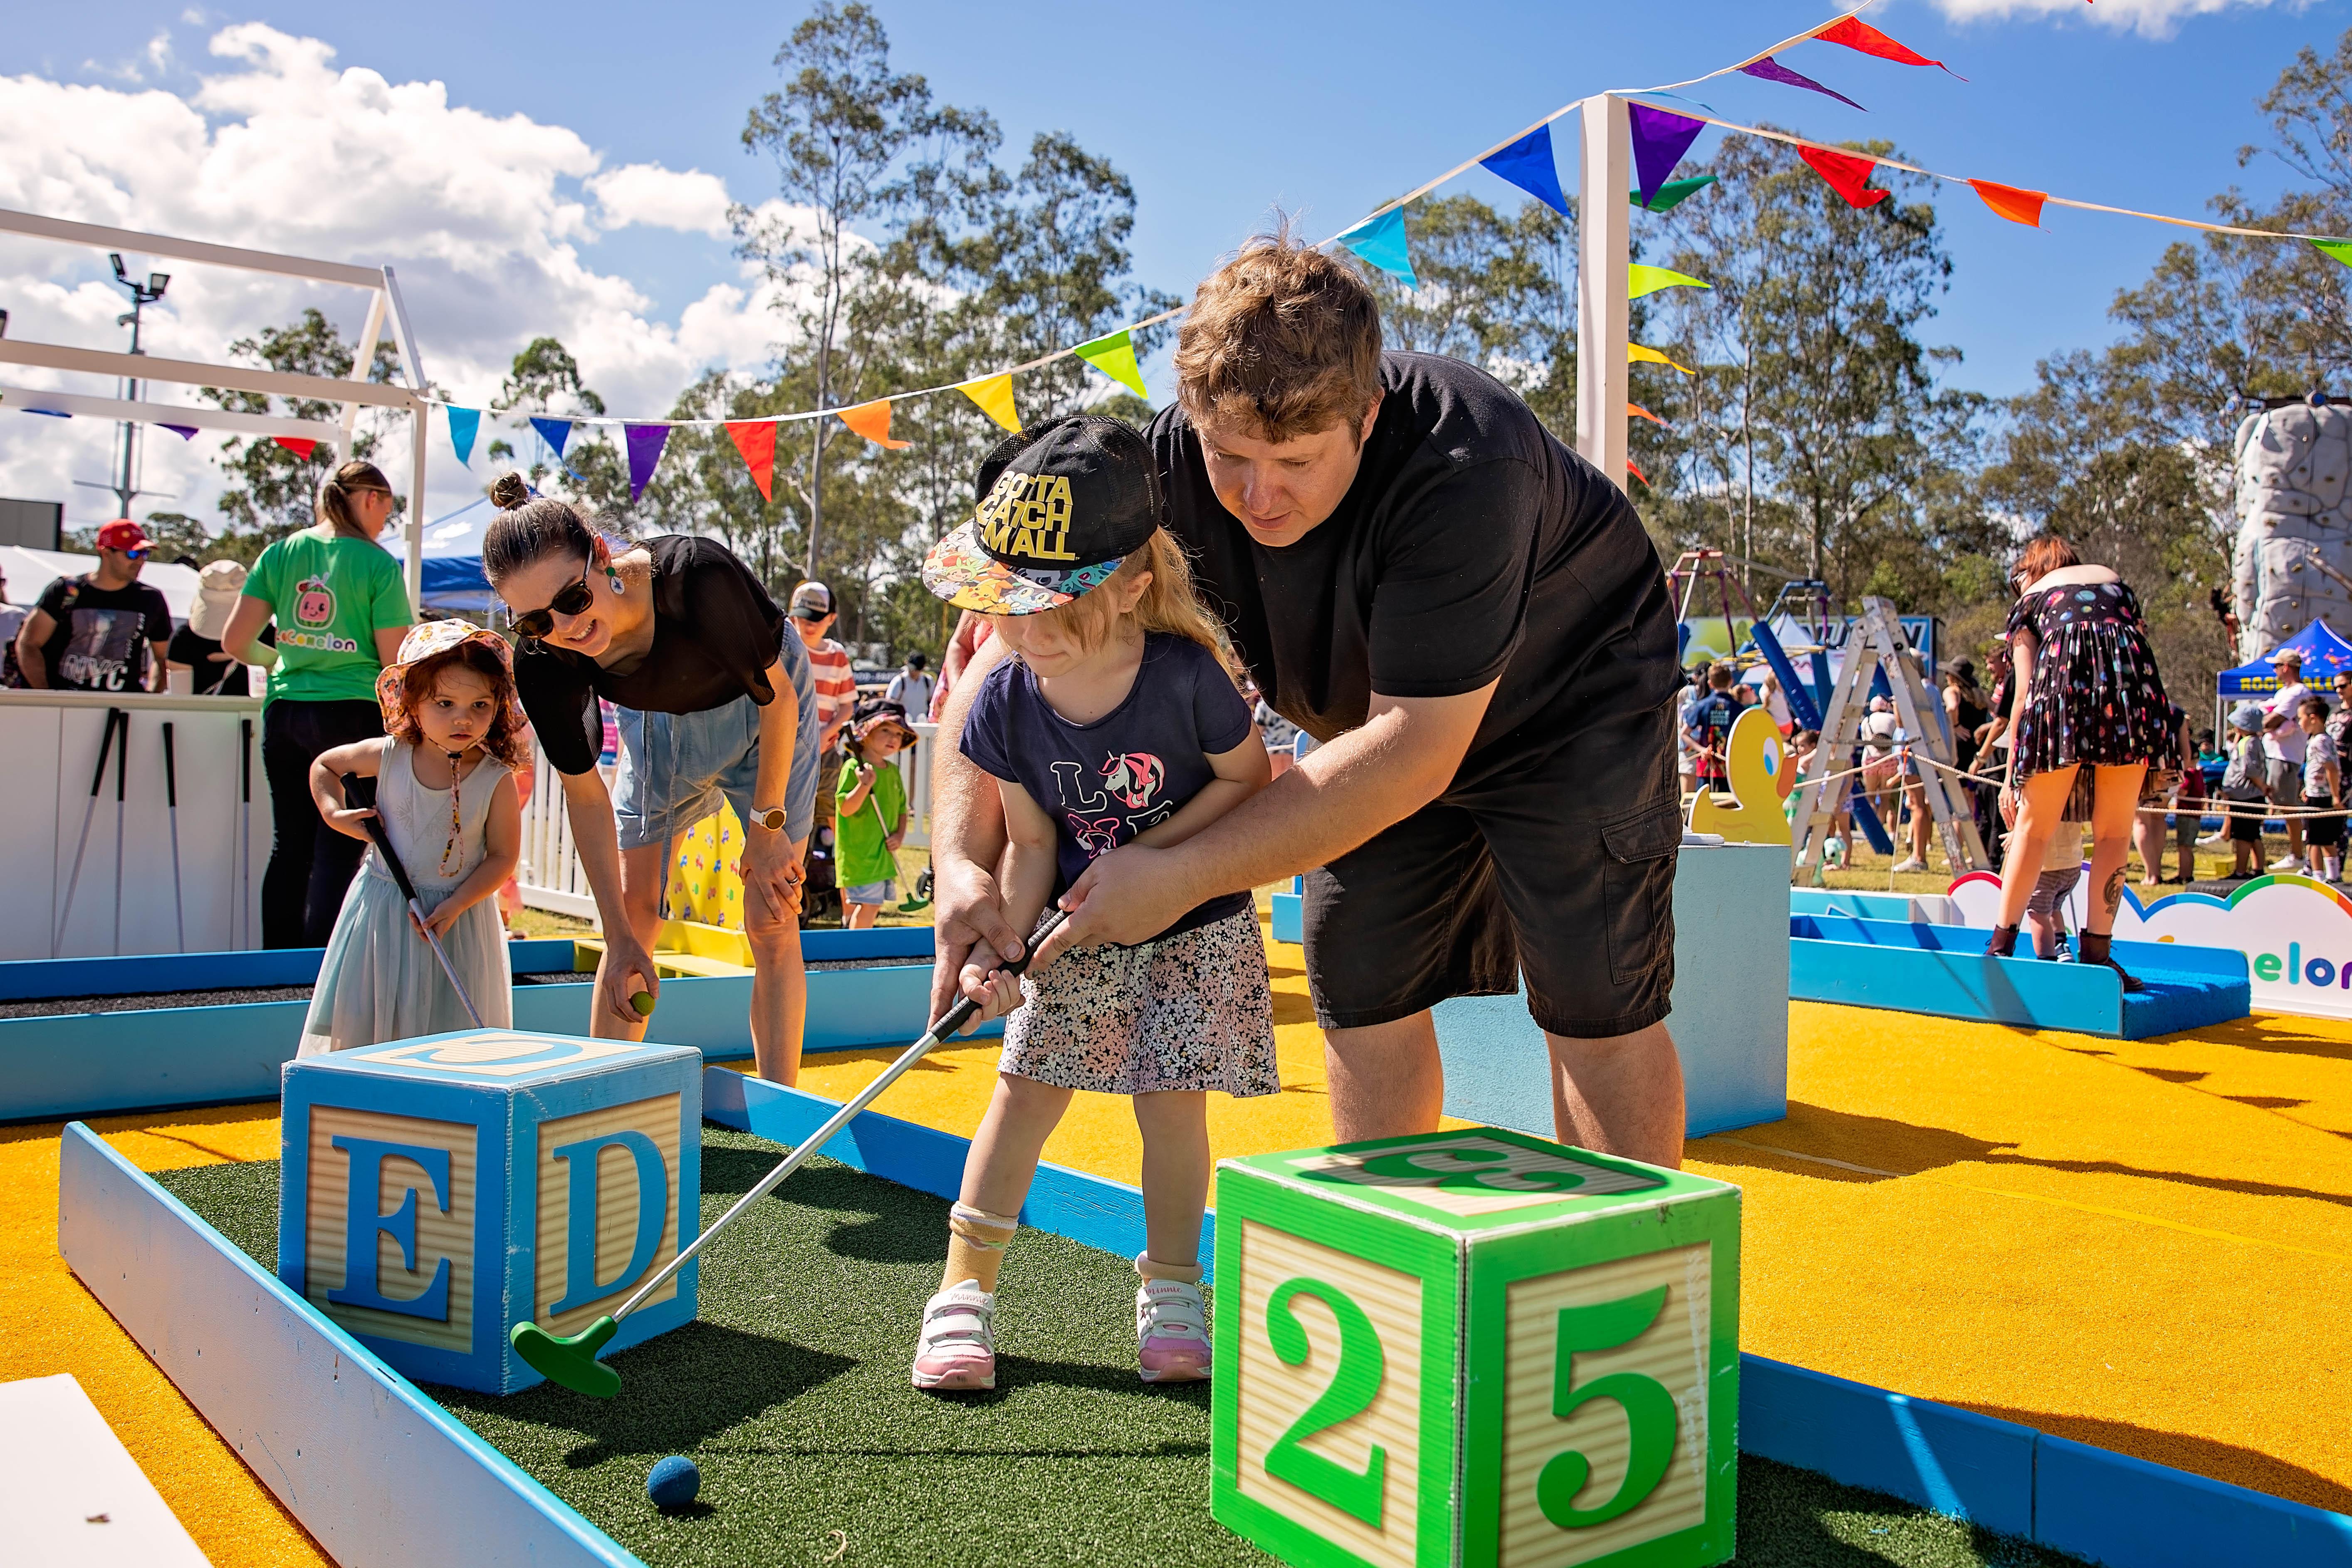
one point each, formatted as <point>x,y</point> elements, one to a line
<point>1116,720</point>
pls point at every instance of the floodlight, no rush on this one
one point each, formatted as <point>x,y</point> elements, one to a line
<point>157,282</point>
<point>116,256</point>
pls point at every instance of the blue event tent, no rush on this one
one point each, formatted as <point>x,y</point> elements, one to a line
<point>453,557</point>
<point>2326,656</point>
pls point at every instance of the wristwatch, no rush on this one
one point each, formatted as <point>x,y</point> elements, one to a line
<point>772,819</point>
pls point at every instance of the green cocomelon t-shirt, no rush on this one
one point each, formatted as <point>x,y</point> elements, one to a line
<point>329,596</point>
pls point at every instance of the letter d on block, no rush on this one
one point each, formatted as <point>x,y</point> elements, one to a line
<point>581,1285</point>
<point>365,1221</point>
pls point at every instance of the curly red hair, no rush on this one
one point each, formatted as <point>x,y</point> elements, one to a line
<point>503,743</point>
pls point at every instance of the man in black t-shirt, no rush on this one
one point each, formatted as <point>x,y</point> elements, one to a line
<point>1471,621</point>
<point>106,631</point>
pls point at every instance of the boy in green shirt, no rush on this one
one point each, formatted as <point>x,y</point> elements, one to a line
<point>870,815</point>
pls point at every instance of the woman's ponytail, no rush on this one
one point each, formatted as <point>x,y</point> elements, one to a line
<point>530,528</point>
<point>335,506</point>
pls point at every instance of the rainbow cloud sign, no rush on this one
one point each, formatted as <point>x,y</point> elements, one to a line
<point>2296,932</point>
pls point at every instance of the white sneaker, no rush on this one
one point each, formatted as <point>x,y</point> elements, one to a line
<point>1912,863</point>
<point>1171,1333</point>
<point>2211,839</point>
<point>2286,863</point>
<point>958,1349</point>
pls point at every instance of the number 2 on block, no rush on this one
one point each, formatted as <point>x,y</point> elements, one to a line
<point>1650,1416</point>
<point>1355,1383</point>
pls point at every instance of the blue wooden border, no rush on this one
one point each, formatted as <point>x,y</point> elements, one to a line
<point>375,1470</point>
<point>2115,1508</point>
<point>39,979</point>
<point>1089,1209</point>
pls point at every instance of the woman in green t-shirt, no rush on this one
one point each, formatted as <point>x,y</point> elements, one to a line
<point>340,608</point>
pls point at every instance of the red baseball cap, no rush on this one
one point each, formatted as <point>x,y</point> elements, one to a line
<point>122,534</point>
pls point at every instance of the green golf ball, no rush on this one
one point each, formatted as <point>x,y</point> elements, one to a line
<point>643,1003</point>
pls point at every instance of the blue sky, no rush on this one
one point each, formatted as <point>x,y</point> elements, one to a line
<point>1219,112</point>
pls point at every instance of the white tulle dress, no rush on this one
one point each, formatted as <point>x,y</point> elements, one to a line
<point>380,980</point>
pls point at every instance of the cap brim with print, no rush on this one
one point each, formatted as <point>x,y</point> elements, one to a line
<point>1062,506</point>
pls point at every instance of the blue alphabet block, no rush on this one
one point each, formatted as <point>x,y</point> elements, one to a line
<point>484,1178</point>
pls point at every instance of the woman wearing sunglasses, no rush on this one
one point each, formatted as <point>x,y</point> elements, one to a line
<point>342,609</point>
<point>715,701</point>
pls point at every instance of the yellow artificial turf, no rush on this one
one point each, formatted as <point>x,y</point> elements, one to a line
<point>54,1325</point>
<point>2141,1245</point>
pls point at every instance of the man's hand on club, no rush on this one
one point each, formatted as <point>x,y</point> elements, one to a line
<point>1127,896</point>
<point>970,912</point>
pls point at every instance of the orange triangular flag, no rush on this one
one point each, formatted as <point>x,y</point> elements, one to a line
<point>756,439</point>
<point>872,420</point>
<point>1632,469</point>
<point>2016,205</point>
<point>1641,413</point>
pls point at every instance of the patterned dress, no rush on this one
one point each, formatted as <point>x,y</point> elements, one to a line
<point>2096,696</point>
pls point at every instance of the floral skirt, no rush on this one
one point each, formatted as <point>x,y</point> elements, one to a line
<point>1187,1012</point>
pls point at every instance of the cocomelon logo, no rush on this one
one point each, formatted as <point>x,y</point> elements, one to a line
<point>314,602</point>
<point>2297,969</point>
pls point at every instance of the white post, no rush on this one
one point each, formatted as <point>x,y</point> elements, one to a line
<point>419,422</point>
<point>1604,248</point>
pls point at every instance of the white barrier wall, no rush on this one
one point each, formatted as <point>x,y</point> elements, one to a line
<point>48,749</point>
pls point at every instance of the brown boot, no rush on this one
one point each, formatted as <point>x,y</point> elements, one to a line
<point>2095,951</point>
<point>2003,943</point>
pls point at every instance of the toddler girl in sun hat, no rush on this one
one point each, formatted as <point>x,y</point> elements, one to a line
<point>445,790</point>
<point>1116,720</point>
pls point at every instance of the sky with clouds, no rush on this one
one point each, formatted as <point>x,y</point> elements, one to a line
<point>528,178</point>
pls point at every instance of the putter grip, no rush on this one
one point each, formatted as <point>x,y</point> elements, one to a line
<point>359,792</point>
<point>957,1017</point>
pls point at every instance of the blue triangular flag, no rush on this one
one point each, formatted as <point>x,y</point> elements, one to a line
<point>555,432</point>
<point>463,424</point>
<point>1382,241</point>
<point>1527,164</point>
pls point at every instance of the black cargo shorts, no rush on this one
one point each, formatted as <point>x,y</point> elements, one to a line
<point>1562,868</point>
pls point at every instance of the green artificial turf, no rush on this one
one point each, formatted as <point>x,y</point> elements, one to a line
<point>791,1394</point>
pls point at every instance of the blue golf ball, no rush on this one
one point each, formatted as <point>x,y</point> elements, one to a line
<point>674,1482</point>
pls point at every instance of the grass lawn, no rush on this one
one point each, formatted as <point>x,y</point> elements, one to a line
<point>791,1394</point>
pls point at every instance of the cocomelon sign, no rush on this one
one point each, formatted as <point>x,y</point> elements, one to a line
<point>2297,934</point>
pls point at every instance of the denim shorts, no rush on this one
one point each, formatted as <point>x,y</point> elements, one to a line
<point>870,893</point>
<point>675,767</point>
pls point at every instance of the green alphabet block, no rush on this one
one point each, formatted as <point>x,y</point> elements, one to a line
<point>1476,1348</point>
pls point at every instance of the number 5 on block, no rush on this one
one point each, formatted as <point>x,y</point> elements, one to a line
<point>1475,1348</point>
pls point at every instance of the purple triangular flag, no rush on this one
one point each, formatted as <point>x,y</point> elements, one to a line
<point>645,443</point>
<point>1527,164</point>
<point>1770,69</point>
<point>185,432</point>
<point>1660,137</point>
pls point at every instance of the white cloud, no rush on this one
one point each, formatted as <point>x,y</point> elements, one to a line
<point>490,220</point>
<point>647,194</point>
<point>2153,18</point>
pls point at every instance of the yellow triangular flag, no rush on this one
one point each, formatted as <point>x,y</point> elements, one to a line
<point>994,395</point>
<point>1637,354</point>
<point>1645,279</point>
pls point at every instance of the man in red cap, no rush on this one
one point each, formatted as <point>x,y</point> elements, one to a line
<point>103,631</point>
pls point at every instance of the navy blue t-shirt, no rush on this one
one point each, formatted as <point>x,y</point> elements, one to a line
<point>1131,770</point>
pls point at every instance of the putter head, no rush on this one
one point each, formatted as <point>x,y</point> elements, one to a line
<point>571,1362</point>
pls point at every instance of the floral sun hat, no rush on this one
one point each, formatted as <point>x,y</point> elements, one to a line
<point>432,640</point>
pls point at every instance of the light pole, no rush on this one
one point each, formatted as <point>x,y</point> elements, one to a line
<point>142,296</point>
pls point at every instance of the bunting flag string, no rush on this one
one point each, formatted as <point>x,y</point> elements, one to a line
<point>300,446</point>
<point>1637,354</point>
<point>1641,279</point>
<point>1114,357</point>
<point>756,440</point>
<point>871,420</point>
<point>1848,175</point>
<point>644,443</point>
<point>185,432</point>
<point>1856,34</point>
<point>555,432</point>
<point>463,424</point>
<point>1381,239</point>
<point>2016,205</point>
<point>1770,69</point>
<point>994,395</point>
<point>1527,164</point>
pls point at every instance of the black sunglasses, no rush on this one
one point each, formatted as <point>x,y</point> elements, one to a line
<point>534,625</point>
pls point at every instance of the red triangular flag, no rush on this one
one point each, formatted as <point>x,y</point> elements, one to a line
<point>756,439</point>
<point>1635,472</point>
<point>1848,175</point>
<point>297,445</point>
<point>2016,205</point>
<point>1856,34</point>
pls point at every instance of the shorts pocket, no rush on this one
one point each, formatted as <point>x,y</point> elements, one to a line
<point>1637,882</point>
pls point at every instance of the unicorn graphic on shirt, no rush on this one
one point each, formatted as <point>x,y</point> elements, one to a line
<point>1133,778</point>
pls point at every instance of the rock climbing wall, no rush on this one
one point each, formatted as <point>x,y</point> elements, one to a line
<point>2294,524</point>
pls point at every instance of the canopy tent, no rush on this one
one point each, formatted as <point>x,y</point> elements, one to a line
<point>453,557</point>
<point>2326,656</point>
<point>29,571</point>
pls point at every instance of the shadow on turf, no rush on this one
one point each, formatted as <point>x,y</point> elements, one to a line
<point>867,1232</point>
<point>668,1401</point>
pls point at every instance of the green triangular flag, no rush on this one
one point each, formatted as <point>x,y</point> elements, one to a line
<point>2339,249</point>
<point>1114,357</point>
<point>1669,193</point>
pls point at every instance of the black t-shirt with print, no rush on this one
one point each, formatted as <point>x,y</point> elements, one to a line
<point>1129,771</point>
<point>1472,547</point>
<point>715,633</point>
<point>101,636</point>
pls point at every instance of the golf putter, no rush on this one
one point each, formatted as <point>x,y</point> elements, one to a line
<point>171,807</point>
<point>90,814</point>
<point>361,792</point>
<point>571,1359</point>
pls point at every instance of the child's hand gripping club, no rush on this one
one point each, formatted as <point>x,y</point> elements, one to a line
<point>358,800</point>
<point>571,1359</point>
